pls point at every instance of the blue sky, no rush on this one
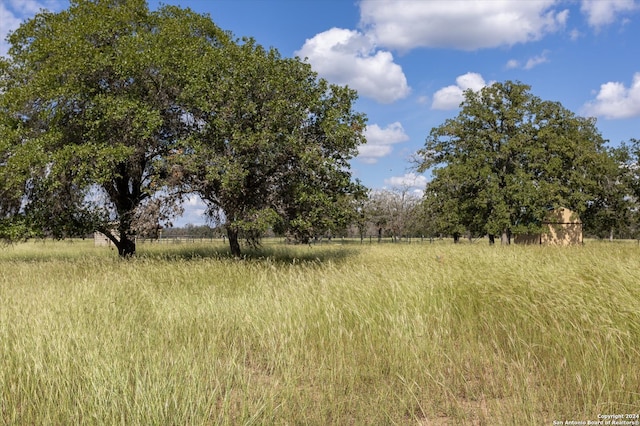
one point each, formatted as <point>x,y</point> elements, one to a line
<point>411,59</point>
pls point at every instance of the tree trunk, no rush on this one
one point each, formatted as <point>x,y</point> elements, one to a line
<point>505,239</point>
<point>126,246</point>
<point>611,234</point>
<point>492,239</point>
<point>234,244</point>
<point>456,238</point>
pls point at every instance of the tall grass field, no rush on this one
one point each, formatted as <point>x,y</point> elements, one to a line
<point>371,334</point>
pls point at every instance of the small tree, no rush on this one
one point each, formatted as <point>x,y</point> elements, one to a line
<point>395,210</point>
<point>441,212</point>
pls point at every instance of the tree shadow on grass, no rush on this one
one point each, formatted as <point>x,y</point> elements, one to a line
<point>48,250</point>
<point>279,254</point>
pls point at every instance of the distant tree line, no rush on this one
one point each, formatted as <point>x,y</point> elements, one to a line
<point>192,231</point>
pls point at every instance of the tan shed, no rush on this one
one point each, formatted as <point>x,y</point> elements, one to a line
<point>101,240</point>
<point>563,228</point>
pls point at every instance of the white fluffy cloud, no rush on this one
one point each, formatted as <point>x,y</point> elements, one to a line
<point>194,212</point>
<point>349,57</point>
<point>9,22</point>
<point>537,60</point>
<point>460,24</point>
<point>450,97</point>
<point>409,180</point>
<point>615,100</point>
<point>513,63</point>
<point>14,12</point>
<point>532,62</point>
<point>600,12</point>
<point>380,141</point>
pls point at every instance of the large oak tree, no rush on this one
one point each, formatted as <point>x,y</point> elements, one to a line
<point>91,113</point>
<point>507,158</point>
<point>273,146</point>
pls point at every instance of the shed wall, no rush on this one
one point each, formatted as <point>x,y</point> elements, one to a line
<point>564,228</point>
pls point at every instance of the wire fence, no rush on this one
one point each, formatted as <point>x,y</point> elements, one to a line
<point>371,239</point>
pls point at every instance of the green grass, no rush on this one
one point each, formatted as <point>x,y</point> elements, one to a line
<point>354,334</point>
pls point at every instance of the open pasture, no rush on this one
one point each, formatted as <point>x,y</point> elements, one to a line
<point>333,334</point>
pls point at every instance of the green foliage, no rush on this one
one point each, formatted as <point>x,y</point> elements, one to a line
<point>91,114</point>
<point>15,228</point>
<point>110,112</point>
<point>616,211</point>
<point>272,145</point>
<point>507,158</point>
<point>441,210</point>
